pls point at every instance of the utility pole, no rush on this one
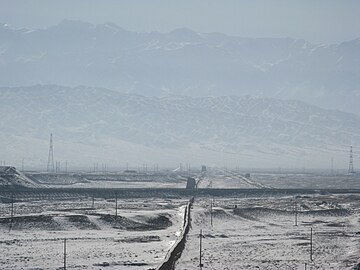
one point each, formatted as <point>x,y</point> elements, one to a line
<point>50,164</point>
<point>200,257</point>
<point>351,161</point>
<point>211,213</point>
<point>93,202</point>
<point>57,166</point>
<point>65,254</point>
<point>116,205</point>
<point>66,166</point>
<point>22,165</point>
<point>311,244</point>
<point>295,212</point>
<point>12,212</point>
<point>332,166</point>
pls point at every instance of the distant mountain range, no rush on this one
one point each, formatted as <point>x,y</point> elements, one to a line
<point>182,62</point>
<point>99,125</point>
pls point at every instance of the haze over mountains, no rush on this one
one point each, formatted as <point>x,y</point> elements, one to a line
<point>182,62</point>
<point>100,125</point>
<point>176,97</point>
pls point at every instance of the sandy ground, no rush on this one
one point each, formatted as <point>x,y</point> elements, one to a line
<point>261,233</point>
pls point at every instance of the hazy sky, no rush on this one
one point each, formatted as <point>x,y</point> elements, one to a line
<point>326,21</point>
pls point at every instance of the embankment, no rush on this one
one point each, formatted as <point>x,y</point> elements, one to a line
<point>175,252</point>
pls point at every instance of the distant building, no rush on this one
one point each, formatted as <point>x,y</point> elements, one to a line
<point>247,175</point>
<point>191,183</point>
<point>203,168</point>
<point>7,170</point>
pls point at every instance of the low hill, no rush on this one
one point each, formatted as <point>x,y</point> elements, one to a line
<point>99,125</point>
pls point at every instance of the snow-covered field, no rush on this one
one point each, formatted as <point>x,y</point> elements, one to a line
<point>247,233</point>
<point>219,178</point>
<point>138,239</point>
<point>260,233</point>
<point>214,178</point>
<point>252,230</point>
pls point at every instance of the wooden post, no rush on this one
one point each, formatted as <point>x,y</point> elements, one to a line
<point>211,217</point>
<point>12,212</point>
<point>65,254</point>
<point>116,205</point>
<point>296,214</point>
<point>200,265</point>
<point>311,244</point>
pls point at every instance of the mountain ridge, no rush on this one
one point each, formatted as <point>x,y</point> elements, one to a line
<point>182,62</point>
<point>102,123</point>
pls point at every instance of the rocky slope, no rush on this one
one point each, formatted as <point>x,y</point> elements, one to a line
<point>94,123</point>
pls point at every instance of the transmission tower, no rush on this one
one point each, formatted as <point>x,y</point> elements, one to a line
<point>351,162</point>
<point>50,164</point>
